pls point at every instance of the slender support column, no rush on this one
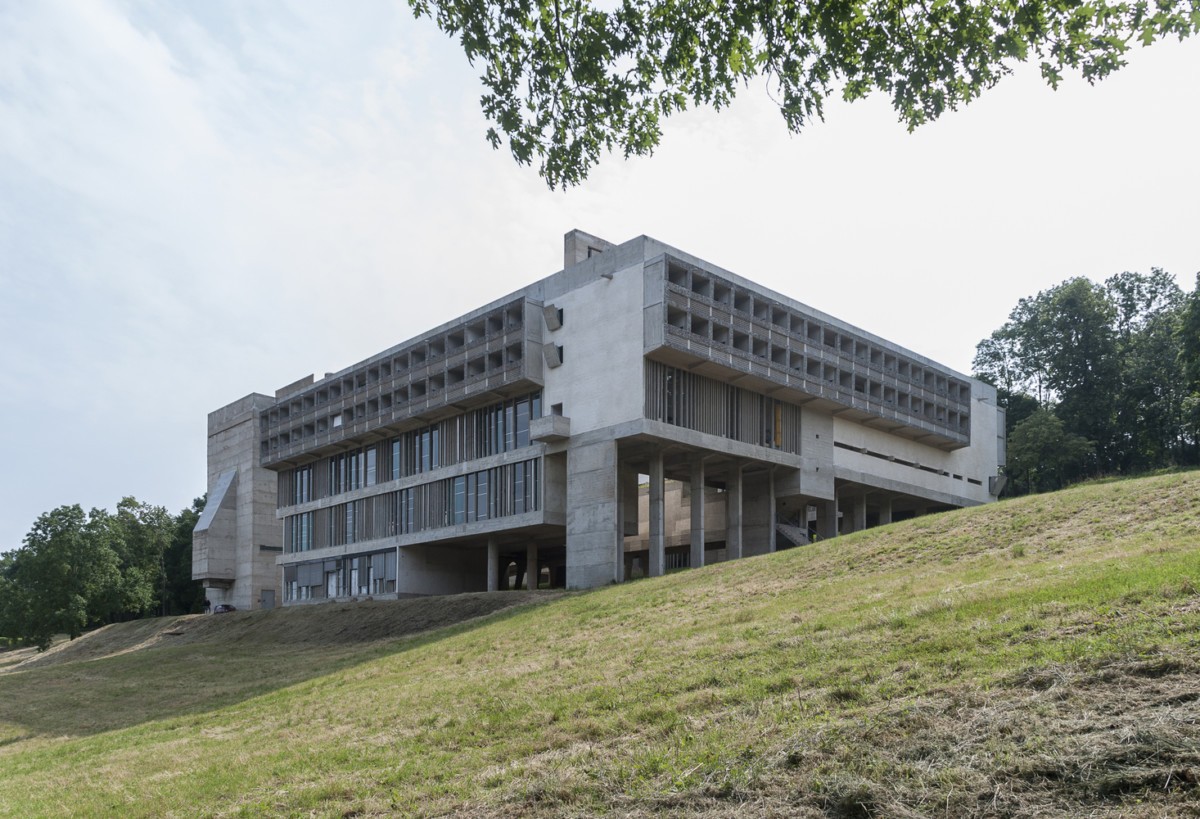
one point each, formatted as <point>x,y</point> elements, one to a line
<point>771,545</point>
<point>697,533</point>
<point>657,533</point>
<point>860,513</point>
<point>627,517</point>
<point>733,514</point>
<point>827,520</point>
<point>493,565</point>
<point>531,567</point>
<point>885,510</point>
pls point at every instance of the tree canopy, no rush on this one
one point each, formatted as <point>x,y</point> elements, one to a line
<point>568,79</point>
<point>1098,378</point>
<point>75,570</point>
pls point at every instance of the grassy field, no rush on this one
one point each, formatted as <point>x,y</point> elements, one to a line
<point>1034,657</point>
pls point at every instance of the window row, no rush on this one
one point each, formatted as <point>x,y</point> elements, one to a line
<point>692,401</point>
<point>487,365</point>
<point>503,491</point>
<point>723,328</point>
<point>506,319</point>
<point>491,430</point>
<point>341,577</point>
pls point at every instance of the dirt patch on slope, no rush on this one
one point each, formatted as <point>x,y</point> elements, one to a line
<point>336,623</point>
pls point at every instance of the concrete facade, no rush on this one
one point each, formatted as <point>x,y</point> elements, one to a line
<point>637,412</point>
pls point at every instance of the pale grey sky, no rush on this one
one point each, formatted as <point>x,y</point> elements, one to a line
<point>202,200</point>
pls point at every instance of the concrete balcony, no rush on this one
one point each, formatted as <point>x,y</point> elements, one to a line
<point>550,429</point>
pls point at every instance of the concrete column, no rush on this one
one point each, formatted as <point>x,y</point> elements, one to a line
<point>885,510</point>
<point>733,514</point>
<point>592,518</point>
<point>827,521</point>
<point>697,533</point>
<point>493,565</point>
<point>771,514</point>
<point>860,513</point>
<point>531,567</point>
<point>627,517</point>
<point>658,558</point>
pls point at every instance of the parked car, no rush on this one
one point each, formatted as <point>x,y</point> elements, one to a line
<point>221,608</point>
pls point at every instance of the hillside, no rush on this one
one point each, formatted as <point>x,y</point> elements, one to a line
<point>1034,657</point>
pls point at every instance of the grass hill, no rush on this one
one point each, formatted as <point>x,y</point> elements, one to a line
<point>1034,657</point>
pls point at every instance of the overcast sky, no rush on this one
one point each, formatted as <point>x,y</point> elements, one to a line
<point>202,200</point>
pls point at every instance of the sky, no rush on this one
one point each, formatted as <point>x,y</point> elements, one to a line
<point>203,200</point>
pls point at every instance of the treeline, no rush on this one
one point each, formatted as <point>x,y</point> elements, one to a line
<point>1098,379</point>
<point>76,571</point>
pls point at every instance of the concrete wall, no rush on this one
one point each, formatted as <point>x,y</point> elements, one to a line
<point>436,569</point>
<point>977,462</point>
<point>600,381</point>
<point>592,515</point>
<point>250,524</point>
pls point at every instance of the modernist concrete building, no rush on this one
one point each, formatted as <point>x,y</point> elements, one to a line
<point>638,411</point>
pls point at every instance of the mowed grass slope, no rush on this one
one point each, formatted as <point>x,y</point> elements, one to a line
<point>1034,657</point>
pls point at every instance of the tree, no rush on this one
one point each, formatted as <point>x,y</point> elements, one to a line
<point>1043,455</point>
<point>1149,403</point>
<point>1061,346</point>
<point>63,576</point>
<point>183,595</point>
<point>1188,335</point>
<point>565,79</point>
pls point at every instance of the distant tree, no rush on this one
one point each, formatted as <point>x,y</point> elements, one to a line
<point>1117,364</point>
<point>1060,346</point>
<point>1188,336</point>
<point>1150,400</point>
<point>183,595</point>
<point>64,576</point>
<point>142,533</point>
<point>1043,455</point>
<point>565,80</point>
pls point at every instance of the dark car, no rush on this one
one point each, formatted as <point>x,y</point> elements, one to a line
<point>221,608</point>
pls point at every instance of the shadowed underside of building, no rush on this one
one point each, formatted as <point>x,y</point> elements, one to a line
<point>641,410</point>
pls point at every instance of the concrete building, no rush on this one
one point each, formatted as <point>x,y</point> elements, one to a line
<point>638,411</point>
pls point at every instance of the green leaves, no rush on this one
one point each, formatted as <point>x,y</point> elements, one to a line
<point>567,81</point>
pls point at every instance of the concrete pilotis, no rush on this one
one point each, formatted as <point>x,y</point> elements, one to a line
<point>531,567</point>
<point>493,565</point>
<point>885,510</point>
<point>592,515</point>
<point>860,513</point>
<point>827,519</point>
<point>697,532</point>
<point>657,530</point>
<point>733,514</point>
<point>771,511</point>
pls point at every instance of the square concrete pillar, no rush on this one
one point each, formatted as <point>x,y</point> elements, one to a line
<point>658,558</point>
<point>593,540</point>
<point>860,513</point>
<point>758,514</point>
<point>531,570</point>
<point>493,565</point>
<point>885,510</point>
<point>697,532</point>
<point>733,514</point>
<point>827,519</point>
